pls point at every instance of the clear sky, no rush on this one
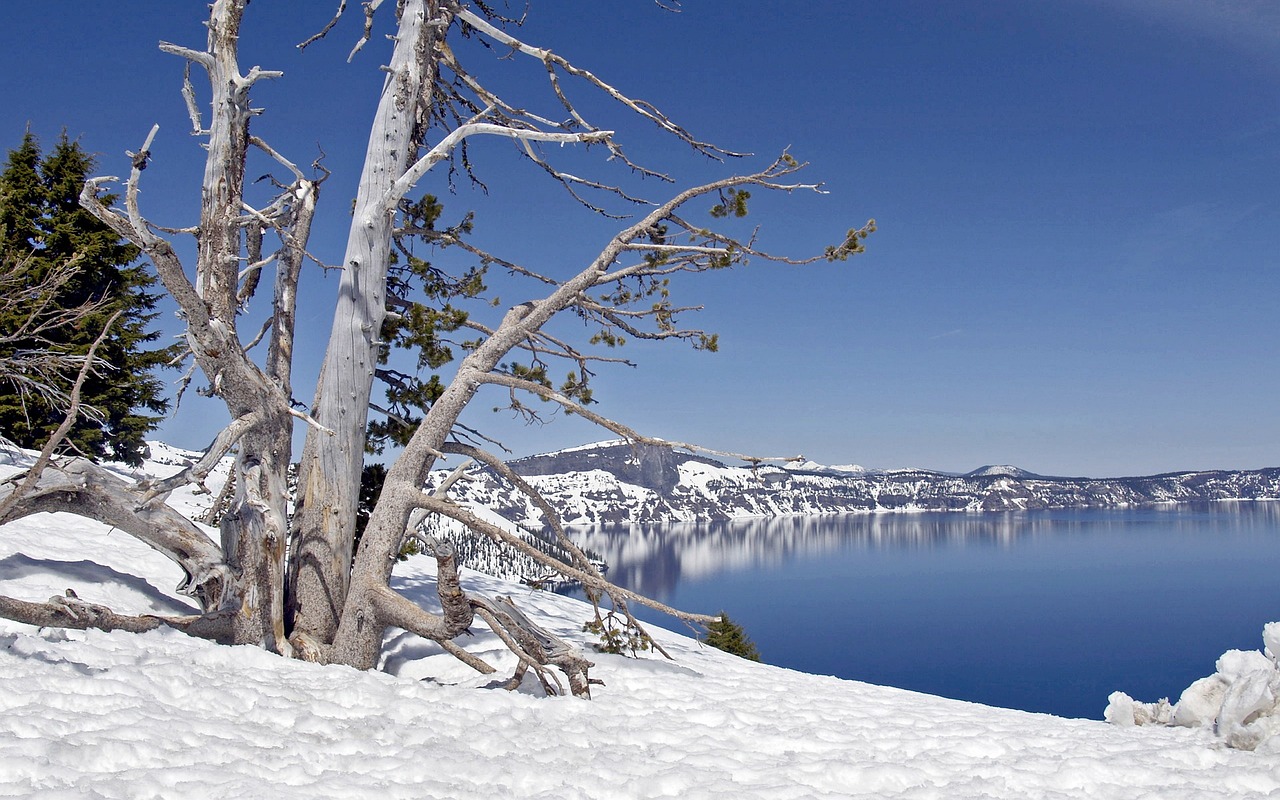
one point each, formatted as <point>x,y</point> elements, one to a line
<point>1075,268</point>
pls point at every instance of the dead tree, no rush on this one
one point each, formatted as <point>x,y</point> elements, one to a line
<point>326,602</point>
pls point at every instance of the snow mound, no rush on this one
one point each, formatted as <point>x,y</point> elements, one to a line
<point>1239,703</point>
<point>161,454</point>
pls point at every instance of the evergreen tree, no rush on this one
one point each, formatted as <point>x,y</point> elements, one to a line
<point>422,298</point>
<point>727,635</point>
<point>43,224</point>
<point>372,476</point>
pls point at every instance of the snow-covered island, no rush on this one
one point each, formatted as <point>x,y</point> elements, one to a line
<point>119,715</point>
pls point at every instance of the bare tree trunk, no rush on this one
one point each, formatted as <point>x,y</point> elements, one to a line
<point>359,639</point>
<point>254,533</point>
<point>329,472</point>
<point>255,528</point>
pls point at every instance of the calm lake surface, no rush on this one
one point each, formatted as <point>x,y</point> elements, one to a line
<point>1043,611</point>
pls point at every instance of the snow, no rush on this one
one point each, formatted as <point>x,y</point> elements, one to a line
<point>1239,703</point>
<point>91,714</point>
<point>600,445</point>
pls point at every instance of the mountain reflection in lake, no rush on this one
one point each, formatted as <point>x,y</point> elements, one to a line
<point>1044,611</point>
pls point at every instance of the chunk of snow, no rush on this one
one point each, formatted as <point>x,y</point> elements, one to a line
<point>1240,702</point>
<point>1200,702</point>
<point>1235,664</point>
<point>1245,702</point>
<point>1271,640</point>
<point>1119,710</point>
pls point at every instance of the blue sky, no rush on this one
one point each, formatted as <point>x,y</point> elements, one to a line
<point>1074,271</point>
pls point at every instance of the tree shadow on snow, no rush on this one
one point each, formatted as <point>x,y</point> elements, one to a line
<point>86,573</point>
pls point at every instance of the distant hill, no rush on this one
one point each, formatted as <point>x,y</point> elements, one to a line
<point>1003,471</point>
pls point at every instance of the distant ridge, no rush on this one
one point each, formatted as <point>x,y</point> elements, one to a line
<point>612,482</point>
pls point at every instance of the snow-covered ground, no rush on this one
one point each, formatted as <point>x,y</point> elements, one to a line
<point>90,714</point>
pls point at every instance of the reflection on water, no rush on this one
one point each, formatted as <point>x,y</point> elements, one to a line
<point>654,558</point>
<point>1042,610</point>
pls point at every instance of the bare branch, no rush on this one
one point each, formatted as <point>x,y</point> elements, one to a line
<point>131,188</point>
<point>161,253</point>
<point>296,414</point>
<point>201,57</point>
<point>549,513</point>
<point>456,475</point>
<point>342,6</point>
<point>405,183</point>
<point>455,512</point>
<point>544,646</point>
<point>526,660</point>
<point>85,489</point>
<point>197,472</point>
<point>266,148</point>
<point>552,61</point>
<point>370,8</point>
<point>69,611</point>
<point>450,60</point>
<point>73,411</point>
<point>395,609</point>
<point>676,248</point>
<point>189,97</point>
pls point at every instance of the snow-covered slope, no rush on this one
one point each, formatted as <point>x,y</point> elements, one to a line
<point>91,714</point>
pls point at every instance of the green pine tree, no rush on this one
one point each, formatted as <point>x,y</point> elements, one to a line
<point>421,296</point>
<point>727,635</point>
<point>42,222</point>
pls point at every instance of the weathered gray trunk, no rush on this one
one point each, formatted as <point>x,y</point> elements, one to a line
<point>254,533</point>
<point>254,530</point>
<point>329,472</point>
<point>223,187</point>
<point>358,640</point>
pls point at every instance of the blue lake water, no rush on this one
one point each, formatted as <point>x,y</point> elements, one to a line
<point>1043,611</point>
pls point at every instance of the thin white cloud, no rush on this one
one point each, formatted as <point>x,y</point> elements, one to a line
<point>1164,238</point>
<point>1250,25</point>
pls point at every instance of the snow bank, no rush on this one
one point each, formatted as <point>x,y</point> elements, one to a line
<point>90,714</point>
<point>162,715</point>
<point>1239,703</point>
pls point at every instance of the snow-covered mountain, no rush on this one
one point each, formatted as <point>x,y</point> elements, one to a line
<point>1001,471</point>
<point>614,482</point>
<point>813,466</point>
